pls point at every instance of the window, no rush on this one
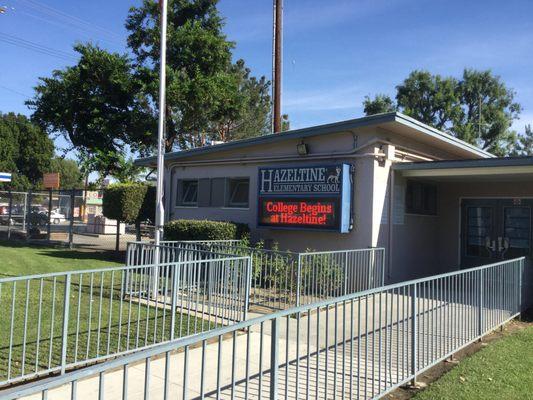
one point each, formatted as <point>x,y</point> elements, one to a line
<point>188,192</point>
<point>214,192</point>
<point>421,198</point>
<point>237,190</point>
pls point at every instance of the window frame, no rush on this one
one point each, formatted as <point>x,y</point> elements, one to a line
<point>229,192</point>
<point>182,192</point>
<point>424,189</point>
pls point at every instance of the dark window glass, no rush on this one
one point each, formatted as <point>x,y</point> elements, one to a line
<point>421,198</point>
<point>237,190</point>
<point>517,231</point>
<point>479,231</point>
<point>188,192</point>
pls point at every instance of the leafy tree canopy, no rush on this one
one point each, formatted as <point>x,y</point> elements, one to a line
<point>478,108</point>
<point>381,103</point>
<point>25,150</point>
<point>70,175</point>
<point>108,101</point>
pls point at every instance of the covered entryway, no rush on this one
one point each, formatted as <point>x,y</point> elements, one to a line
<point>461,214</point>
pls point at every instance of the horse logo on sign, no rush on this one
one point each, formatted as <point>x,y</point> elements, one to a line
<point>335,178</point>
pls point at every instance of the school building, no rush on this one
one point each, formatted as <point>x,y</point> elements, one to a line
<point>434,202</point>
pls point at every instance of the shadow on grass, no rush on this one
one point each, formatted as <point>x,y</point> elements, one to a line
<point>100,255</point>
<point>50,250</point>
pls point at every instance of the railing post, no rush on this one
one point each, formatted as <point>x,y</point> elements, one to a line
<point>480,303</point>
<point>298,279</point>
<point>414,335</point>
<point>174,300</point>
<point>71,219</point>
<point>520,273</point>
<point>345,273</point>
<point>9,215</point>
<point>49,226</point>
<point>382,252</point>
<point>371,269</point>
<point>274,358</point>
<point>66,304</point>
<point>248,289</point>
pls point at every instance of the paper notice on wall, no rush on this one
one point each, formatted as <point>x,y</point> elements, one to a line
<point>399,204</point>
<point>398,211</point>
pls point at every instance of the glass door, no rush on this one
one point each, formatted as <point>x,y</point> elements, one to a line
<point>494,229</point>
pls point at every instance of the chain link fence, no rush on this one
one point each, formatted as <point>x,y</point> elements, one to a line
<point>72,218</point>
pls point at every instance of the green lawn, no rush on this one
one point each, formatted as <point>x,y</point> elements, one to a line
<point>21,259</point>
<point>502,370</point>
<point>101,319</point>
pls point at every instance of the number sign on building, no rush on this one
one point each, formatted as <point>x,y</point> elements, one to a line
<point>313,197</point>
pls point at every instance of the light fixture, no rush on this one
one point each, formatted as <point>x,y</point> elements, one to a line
<point>302,149</point>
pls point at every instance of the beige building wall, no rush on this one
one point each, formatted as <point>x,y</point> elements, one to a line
<point>372,150</point>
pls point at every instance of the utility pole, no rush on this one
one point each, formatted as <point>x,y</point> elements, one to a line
<point>159,213</point>
<point>277,63</point>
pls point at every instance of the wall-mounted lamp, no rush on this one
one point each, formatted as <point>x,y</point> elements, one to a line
<point>302,149</point>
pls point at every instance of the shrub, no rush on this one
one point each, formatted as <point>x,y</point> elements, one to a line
<point>129,202</point>
<point>185,229</point>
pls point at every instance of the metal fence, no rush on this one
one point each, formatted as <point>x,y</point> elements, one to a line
<point>53,322</point>
<point>67,217</point>
<point>282,279</point>
<point>361,345</point>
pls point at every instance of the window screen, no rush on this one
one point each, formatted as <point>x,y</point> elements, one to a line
<point>188,192</point>
<point>237,192</point>
<point>421,198</point>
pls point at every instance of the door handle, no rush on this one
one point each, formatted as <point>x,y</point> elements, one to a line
<point>490,246</point>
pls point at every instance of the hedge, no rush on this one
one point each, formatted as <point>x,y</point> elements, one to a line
<point>192,229</point>
<point>129,202</point>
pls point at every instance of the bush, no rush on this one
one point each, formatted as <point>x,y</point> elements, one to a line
<point>192,229</point>
<point>129,202</point>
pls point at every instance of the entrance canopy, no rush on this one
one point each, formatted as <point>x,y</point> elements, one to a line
<point>462,213</point>
<point>505,168</point>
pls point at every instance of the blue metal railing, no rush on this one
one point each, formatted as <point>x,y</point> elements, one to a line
<point>361,345</point>
<point>59,321</point>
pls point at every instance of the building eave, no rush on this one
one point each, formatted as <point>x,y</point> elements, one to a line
<point>373,120</point>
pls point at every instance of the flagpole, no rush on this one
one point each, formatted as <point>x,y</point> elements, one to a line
<point>160,210</point>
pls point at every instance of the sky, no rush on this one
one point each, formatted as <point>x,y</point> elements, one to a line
<point>335,52</point>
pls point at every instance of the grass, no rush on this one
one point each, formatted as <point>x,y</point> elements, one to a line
<point>101,319</point>
<point>21,259</point>
<point>502,370</point>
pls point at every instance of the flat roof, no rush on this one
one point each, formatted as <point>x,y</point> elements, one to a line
<point>372,120</point>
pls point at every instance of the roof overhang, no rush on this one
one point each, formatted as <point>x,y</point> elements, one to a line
<point>394,122</point>
<point>506,167</point>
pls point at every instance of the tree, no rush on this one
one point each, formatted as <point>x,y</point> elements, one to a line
<point>524,143</point>
<point>478,108</point>
<point>127,171</point>
<point>381,103</point>
<point>25,150</point>
<point>108,101</point>
<point>129,202</point>
<point>488,111</point>
<point>208,97</point>
<point>70,175</point>
<point>97,105</point>
<point>428,98</point>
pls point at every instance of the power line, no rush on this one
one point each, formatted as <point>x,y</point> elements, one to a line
<point>69,19</point>
<point>26,44</point>
<point>15,91</point>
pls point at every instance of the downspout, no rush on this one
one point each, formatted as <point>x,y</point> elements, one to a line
<point>391,224</point>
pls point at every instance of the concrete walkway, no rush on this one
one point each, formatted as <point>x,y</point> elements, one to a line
<point>355,350</point>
